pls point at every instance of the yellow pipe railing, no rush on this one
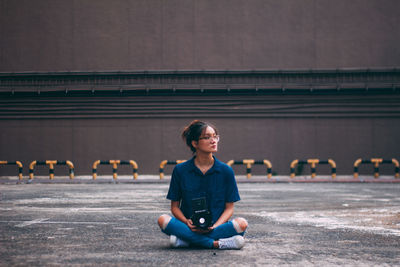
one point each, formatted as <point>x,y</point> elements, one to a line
<point>313,163</point>
<point>376,162</point>
<point>18,163</point>
<point>115,164</point>
<point>168,162</point>
<point>51,164</point>
<point>250,162</point>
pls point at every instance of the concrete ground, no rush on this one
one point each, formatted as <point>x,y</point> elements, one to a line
<point>50,223</point>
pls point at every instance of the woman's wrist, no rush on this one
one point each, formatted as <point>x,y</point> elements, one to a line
<point>215,225</point>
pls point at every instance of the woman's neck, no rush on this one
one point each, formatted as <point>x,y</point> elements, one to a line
<point>204,161</point>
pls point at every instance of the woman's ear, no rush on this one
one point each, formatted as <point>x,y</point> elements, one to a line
<point>194,143</point>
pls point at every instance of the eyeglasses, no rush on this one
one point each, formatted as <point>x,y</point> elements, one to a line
<point>208,138</point>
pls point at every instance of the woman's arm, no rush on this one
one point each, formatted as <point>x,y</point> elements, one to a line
<point>176,211</point>
<point>228,212</point>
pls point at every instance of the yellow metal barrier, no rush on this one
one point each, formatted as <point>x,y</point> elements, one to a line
<point>18,163</point>
<point>313,163</point>
<point>51,164</point>
<point>169,162</point>
<point>249,162</point>
<point>376,162</point>
<point>115,163</point>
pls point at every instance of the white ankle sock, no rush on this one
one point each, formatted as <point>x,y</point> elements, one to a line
<point>177,243</point>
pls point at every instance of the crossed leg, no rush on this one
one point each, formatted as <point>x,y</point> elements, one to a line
<point>172,226</point>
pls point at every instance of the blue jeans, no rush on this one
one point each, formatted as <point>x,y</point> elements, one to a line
<point>182,231</point>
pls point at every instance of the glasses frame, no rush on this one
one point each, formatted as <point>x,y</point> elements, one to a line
<point>209,138</point>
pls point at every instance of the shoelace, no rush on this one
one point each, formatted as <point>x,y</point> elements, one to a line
<point>228,243</point>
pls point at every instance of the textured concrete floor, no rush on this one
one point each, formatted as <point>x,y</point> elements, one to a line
<point>107,224</point>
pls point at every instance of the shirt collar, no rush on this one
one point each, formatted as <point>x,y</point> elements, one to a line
<point>215,168</point>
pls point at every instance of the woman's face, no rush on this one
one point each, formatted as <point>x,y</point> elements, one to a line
<point>208,141</point>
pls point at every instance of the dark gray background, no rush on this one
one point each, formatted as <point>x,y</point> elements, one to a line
<point>95,35</point>
<point>56,35</point>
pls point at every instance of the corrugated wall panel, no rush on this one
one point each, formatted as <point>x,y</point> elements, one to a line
<point>373,105</point>
<point>279,116</point>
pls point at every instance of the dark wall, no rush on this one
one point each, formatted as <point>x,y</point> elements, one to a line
<point>41,119</point>
<point>93,35</point>
<point>277,128</point>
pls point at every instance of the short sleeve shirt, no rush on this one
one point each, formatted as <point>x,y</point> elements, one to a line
<point>218,186</point>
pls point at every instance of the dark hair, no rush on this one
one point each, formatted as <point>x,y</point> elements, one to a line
<point>193,131</point>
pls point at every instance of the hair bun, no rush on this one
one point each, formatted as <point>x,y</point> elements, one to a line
<point>193,131</point>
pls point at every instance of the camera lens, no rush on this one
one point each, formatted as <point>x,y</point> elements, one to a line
<point>202,220</point>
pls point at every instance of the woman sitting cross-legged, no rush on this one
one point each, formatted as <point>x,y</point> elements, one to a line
<point>202,193</point>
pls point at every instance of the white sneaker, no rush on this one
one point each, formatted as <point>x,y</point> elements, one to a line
<point>177,243</point>
<point>234,242</point>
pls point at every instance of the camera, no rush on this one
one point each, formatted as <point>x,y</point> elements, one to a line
<point>201,216</point>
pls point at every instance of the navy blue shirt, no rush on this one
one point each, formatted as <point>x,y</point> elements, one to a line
<point>218,185</point>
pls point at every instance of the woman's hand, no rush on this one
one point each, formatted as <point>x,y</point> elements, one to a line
<point>196,229</point>
<point>205,231</point>
<point>190,224</point>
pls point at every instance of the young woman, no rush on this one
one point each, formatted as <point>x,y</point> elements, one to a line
<point>203,177</point>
